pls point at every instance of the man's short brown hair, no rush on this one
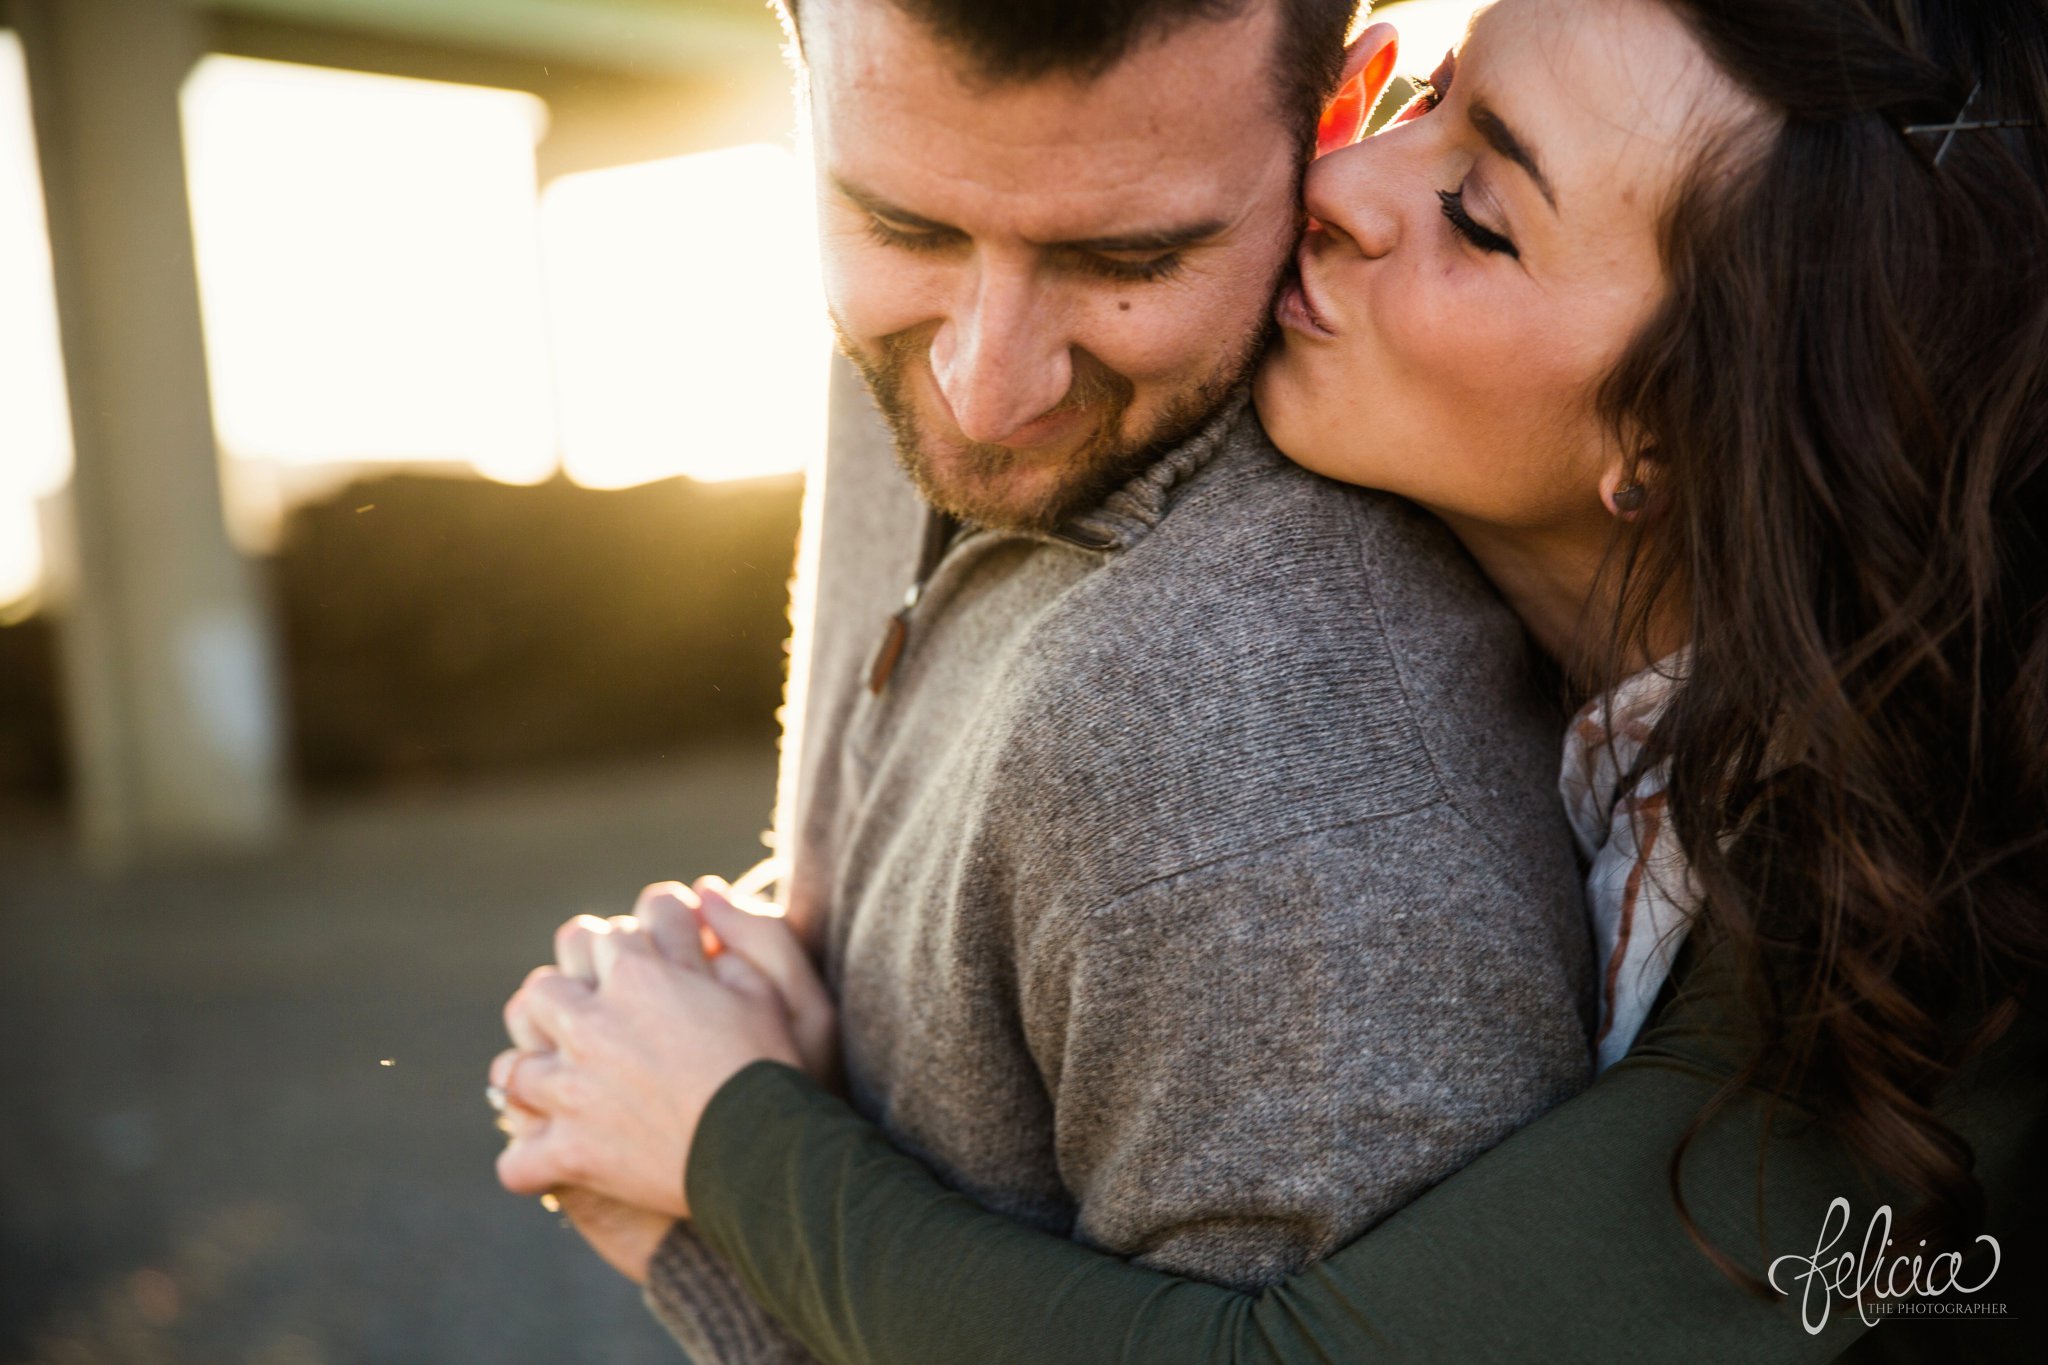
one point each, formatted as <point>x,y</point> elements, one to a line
<point>1022,40</point>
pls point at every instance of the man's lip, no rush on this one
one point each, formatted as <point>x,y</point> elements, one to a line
<point>1044,430</point>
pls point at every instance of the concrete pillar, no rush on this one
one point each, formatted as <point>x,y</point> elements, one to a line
<point>170,686</point>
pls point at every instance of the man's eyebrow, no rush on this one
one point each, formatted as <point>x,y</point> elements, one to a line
<point>882,208</point>
<point>1502,139</point>
<point>1155,239</point>
<point>1151,239</point>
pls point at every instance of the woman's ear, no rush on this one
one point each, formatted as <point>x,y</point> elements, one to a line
<point>1368,67</point>
<point>1629,487</point>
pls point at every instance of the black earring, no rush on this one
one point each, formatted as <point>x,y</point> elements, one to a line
<point>1630,497</point>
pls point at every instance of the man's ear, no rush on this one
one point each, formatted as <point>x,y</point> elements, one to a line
<point>1368,67</point>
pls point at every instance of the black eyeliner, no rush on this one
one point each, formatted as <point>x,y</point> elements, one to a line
<point>1471,229</point>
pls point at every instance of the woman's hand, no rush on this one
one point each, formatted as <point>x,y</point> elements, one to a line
<point>765,939</point>
<point>638,1051</point>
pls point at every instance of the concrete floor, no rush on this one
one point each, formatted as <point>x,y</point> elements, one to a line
<point>241,1111</point>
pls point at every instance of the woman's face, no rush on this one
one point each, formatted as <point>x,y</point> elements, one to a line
<point>1477,269</point>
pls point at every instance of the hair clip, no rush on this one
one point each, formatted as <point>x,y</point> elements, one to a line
<point>1964,124</point>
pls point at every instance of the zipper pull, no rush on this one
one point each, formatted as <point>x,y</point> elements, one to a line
<point>939,530</point>
<point>894,638</point>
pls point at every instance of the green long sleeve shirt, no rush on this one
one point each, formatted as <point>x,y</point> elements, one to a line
<point>1562,1244</point>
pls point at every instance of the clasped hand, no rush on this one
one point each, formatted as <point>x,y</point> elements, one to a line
<point>619,1047</point>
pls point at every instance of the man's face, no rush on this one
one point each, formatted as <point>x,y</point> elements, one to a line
<point>1047,282</point>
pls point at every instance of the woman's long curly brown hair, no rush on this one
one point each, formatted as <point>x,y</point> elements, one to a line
<point>1843,413</point>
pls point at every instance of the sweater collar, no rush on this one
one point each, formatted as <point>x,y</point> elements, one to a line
<point>1123,518</point>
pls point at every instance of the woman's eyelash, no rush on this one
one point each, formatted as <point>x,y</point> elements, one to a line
<point>1473,231</point>
<point>1428,95</point>
<point>1432,90</point>
<point>1105,267</point>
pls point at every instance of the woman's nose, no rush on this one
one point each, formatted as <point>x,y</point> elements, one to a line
<point>1351,194</point>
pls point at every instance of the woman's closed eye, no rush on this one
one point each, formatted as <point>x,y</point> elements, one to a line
<point>1471,229</point>
<point>1429,96</point>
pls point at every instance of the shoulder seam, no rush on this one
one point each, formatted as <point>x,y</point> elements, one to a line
<point>1427,742</point>
<point>1072,922</point>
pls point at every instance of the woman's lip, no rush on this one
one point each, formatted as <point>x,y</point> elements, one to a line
<point>1294,311</point>
<point>1297,304</point>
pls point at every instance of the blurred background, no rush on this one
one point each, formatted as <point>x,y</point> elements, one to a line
<point>403,410</point>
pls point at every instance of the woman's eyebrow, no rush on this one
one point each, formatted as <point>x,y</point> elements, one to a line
<point>1490,126</point>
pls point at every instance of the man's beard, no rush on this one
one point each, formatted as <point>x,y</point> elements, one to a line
<point>1103,461</point>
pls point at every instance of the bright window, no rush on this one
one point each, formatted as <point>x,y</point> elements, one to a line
<point>369,267</point>
<point>35,420</point>
<point>690,334</point>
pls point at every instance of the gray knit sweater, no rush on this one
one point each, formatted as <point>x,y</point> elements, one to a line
<point>1196,885</point>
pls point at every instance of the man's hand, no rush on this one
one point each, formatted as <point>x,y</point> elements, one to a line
<point>636,1060</point>
<point>625,1237</point>
<point>691,927</point>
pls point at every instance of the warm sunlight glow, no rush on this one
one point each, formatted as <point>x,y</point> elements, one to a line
<point>21,553</point>
<point>35,424</point>
<point>688,325</point>
<point>369,267</point>
<point>1429,29</point>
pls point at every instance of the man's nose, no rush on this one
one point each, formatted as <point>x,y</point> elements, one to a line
<point>1003,359</point>
<point>1351,194</point>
